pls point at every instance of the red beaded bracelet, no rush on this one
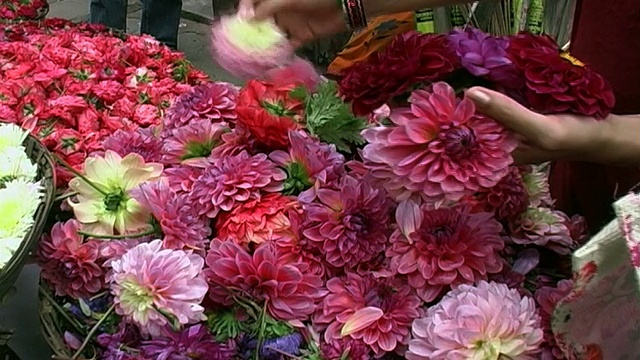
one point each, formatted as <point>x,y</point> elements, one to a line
<point>354,14</point>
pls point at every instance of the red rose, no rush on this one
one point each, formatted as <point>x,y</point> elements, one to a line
<point>555,82</point>
<point>268,113</point>
<point>409,59</point>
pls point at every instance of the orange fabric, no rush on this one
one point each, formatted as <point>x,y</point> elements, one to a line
<point>375,36</point>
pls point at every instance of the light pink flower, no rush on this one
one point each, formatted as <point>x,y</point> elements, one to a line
<point>543,227</point>
<point>487,321</point>
<point>150,283</point>
<point>439,146</point>
<point>442,248</point>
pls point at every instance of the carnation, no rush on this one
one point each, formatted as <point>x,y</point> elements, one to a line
<point>543,227</point>
<point>150,283</point>
<point>439,148</point>
<point>443,248</point>
<point>486,321</point>
<point>376,312</point>
<point>233,180</point>
<point>349,223</point>
<point>287,289</point>
<point>69,264</point>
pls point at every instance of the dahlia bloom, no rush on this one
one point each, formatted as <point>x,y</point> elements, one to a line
<point>411,58</point>
<point>308,164</point>
<point>257,220</point>
<point>150,283</point>
<point>71,266</point>
<point>485,55</point>
<point>439,147</point>
<point>442,248</point>
<point>547,297</point>
<point>142,142</point>
<point>508,199</point>
<point>233,180</point>
<point>487,321</point>
<point>194,342</point>
<point>183,229</point>
<point>348,224</point>
<point>182,177</point>
<point>345,348</point>
<point>536,181</point>
<point>543,227</point>
<point>248,49</point>
<point>269,113</point>
<point>288,290</point>
<point>214,101</point>
<point>193,141</point>
<point>126,336</point>
<point>376,312</point>
<point>104,204</point>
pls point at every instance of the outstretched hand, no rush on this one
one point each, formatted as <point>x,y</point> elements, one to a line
<point>541,137</point>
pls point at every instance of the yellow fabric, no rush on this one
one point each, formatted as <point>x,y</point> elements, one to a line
<point>375,36</point>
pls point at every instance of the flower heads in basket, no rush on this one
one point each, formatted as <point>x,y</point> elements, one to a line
<point>270,221</point>
<point>20,193</point>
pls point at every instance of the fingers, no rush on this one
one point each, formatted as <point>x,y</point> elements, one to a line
<point>534,127</point>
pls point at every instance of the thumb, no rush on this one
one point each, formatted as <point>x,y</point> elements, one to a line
<point>509,112</point>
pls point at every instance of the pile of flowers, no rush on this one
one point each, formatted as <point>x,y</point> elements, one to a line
<point>20,192</point>
<point>23,9</point>
<point>75,84</point>
<point>270,222</point>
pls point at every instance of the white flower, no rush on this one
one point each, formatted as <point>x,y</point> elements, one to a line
<point>11,136</point>
<point>19,200</point>
<point>15,164</point>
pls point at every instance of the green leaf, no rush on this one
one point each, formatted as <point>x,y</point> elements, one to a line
<point>330,118</point>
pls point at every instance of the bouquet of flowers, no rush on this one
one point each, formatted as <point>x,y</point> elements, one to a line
<point>23,9</point>
<point>75,84</point>
<point>20,193</point>
<point>270,222</point>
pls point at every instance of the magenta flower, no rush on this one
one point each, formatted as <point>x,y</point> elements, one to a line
<point>487,321</point>
<point>150,284</point>
<point>215,102</point>
<point>508,199</point>
<point>235,179</point>
<point>349,223</point>
<point>194,342</point>
<point>439,147</point>
<point>308,164</point>
<point>547,298</point>
<point>142,142</point>
<point>485,55</point>
<point>438,249</point>
<point>193,141</point>
<point>543,227</point>
<point>337,349</point>
<point>377,312</point>
<point>182,227</point>
<point>182,177</point>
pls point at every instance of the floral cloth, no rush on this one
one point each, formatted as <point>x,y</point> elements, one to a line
<point>600,319</point>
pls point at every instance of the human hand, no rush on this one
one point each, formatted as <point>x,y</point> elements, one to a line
<point>541,137</point>
<point>301,20</point>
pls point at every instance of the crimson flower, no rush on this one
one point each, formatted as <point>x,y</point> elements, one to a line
<point>508,199</point>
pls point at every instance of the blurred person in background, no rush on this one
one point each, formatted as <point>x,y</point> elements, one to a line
<point>160,18</point>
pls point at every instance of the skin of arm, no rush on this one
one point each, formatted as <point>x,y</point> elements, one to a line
<point>615,141</point>
<point>375,8</point>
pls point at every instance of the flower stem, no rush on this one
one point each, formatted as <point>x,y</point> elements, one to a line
<point>92,332</point>
<point>118,237</point>
<point>78,174</point>
<point>61,311</point>
<point>263,326</point>
<point>64,196</point>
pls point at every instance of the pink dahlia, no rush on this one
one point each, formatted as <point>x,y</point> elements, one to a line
<point>150,284</point>
<point>233,180</point>
<point>211,101</point>
<point>547,298</point>
<point>348,224</point>
<point>257,220</point>
<point>442,248</point>
<point>71,266</point>
<point>440,147</point>
<point>193,141</point>
<point>543,227</point>
<point>345,348</point>
<point>288,289</point>
<point>142,142</point>
<point>487,321</point>
<point>309,164</point>
<point>377,312</point>
<point>182,228</point>
<point>508,199</point>
<point>536,181</point>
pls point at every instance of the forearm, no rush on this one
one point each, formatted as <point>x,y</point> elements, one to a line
<point>375,8</point>
<point>616,141</point>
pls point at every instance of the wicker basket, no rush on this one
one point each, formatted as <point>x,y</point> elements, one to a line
<point>41,156</point>
<point>53,323</point>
